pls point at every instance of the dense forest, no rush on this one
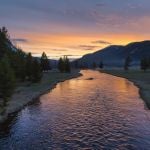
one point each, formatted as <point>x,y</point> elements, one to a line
<point>18,66</point>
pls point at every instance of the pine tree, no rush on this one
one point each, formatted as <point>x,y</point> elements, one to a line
<point>149,62</point>
<point>61,65</point>
<point>76,64</point>
<point>144,64</point>
<point>101,65</point>
<point>64,65</point>
<point>67,65</point>
<point>36,71</point>
<point>45,64</point>
<point>4,39</point>
<point>7,79</point>
<point>29,67</point>
<point>18,60</point>
<point>127,63</point>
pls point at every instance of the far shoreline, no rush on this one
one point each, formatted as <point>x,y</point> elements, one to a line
<point>25,95</point>
<point>138,78</point>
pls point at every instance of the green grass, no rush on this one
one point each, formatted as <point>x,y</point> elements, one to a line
<point>140,78</point>
<point>131,74</point>
<point>48,79</point>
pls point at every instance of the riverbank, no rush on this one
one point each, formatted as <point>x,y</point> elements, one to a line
<point>26,93</point>
<point>139,78</point>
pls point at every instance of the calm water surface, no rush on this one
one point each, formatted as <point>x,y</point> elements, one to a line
<point>104,113</point>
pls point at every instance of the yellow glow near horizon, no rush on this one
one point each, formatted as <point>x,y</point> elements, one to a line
<point>72,44</point>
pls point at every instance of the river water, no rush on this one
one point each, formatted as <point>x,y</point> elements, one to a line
<point>103,113</point>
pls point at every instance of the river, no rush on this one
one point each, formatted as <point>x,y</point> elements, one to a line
<point>105,112</point>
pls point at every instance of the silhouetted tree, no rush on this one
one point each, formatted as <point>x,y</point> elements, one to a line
<point>64,65</point>
<point>145,64</point>
<point>127,63</point>
<point>67,64</point>
<point>4,39</point>
<point>76,64</point>
<point>94,65</point>
<point>18,60</point>
<point>29,67</point>
<point>101,65</point>
<point>61,65</point>
<point>36,71</point>
<point>14,63</point>
<point>45,64</point>
<point>7,79</point>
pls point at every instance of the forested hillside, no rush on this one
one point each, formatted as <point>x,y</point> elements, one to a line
<point>15,66</point>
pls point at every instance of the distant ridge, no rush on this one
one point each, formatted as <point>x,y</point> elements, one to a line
<point>114,56</point>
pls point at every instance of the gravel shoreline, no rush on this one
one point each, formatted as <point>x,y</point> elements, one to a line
<point>27,94</point>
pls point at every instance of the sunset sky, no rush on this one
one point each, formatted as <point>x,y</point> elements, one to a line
<point>74,27</point>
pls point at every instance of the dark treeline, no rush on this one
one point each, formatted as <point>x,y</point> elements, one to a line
<point>17,66</point>
<point>64,65</point>
<point>83,65</point>
<point>144,63</point>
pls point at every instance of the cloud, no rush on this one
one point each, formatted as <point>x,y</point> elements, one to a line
<point>88,47</point>
<point>134,6</point>
<point>20,40</point>
<point>101,42</point>
<point>100,4</point>
<point>73,55</point>
<point>85,47</point>
<point>59,49</point>
<point>48,23</point>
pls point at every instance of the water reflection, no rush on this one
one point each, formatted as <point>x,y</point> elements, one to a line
<point>103,113</point>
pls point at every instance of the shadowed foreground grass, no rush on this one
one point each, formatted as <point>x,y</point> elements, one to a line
<point>139,78</point>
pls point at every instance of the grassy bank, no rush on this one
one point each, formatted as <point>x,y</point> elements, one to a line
<point>139,78</point>
<point>26,92</point>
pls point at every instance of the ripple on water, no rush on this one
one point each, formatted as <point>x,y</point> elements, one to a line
<point>82,114</point>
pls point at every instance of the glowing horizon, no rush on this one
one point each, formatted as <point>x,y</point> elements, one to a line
<point>74,28</point>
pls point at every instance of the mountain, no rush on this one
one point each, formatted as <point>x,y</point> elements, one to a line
<point>114,56</point>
